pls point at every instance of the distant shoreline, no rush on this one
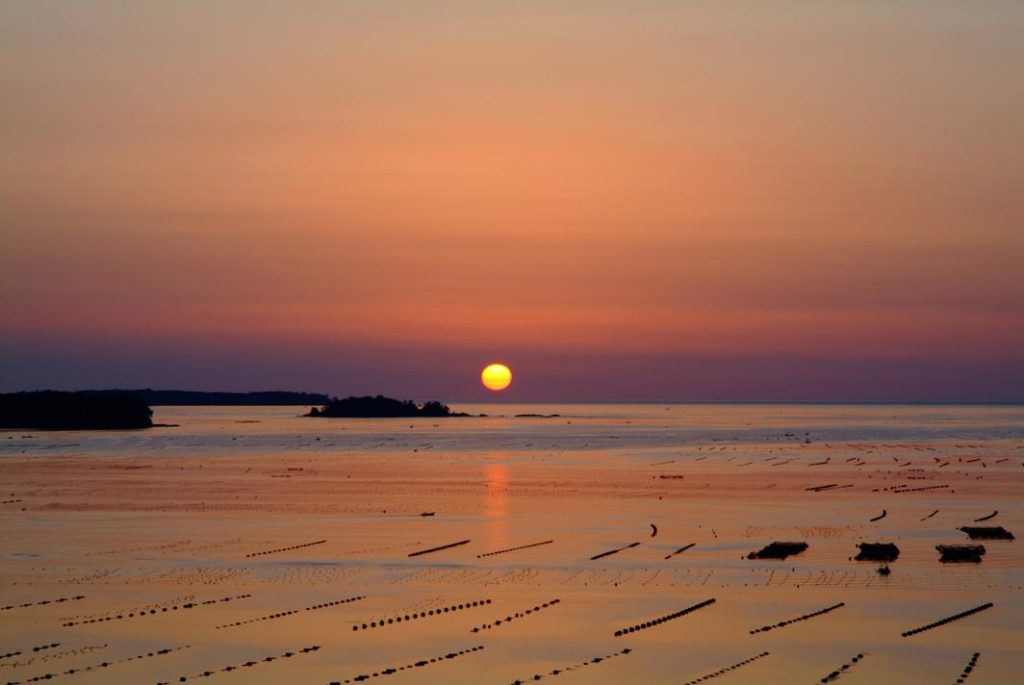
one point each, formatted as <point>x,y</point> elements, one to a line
<point>199,398</point>
<point>288,398</point>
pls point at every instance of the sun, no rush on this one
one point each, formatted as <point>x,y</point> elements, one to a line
<point>496,377</point>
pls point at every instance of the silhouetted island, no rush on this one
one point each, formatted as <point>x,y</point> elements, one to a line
<point>178,398</point>
<point>53,410</point>
<point>381,407</point>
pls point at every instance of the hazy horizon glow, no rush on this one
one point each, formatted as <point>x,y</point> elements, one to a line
<point>622,200</point>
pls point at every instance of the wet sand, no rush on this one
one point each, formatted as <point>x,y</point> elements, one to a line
<point>258,555</point>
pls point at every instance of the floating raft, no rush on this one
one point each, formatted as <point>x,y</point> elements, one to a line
<point>987,532</point>
<point>778,550</point>
<point>877,551</point>
<point>960,553</point>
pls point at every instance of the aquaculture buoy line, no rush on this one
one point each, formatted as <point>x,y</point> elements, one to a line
<point>152,612</point>
<point>145,608</point>
<point>518,614</point>
<point>558,671</point>
<point>969,668</point>
<point>513,549</point>
<point>723,671</point>
<point>285,549</point>
<point>834,675</point>
<point>438,549</point>
<point>380,623</point>
<point>614,551</point>
<point>42,602</point>
<point>282,614</point>
<point>103,664</point>
<point>948,619</point>
<point>417,664</point>
<point>900,489</point>
<point>51,655</point>
<point>38,648</point>
<point>247,664</point>
<point>782,624</point>
<point>680,550</point>
<point>664,619</point>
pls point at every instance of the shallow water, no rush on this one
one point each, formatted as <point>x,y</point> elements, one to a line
<point>576,426</point>
<point>279,513</point>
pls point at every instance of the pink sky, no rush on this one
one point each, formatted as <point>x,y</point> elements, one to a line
<point>624,200</point>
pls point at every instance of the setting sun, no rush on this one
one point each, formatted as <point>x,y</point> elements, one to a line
<point>496,377</point>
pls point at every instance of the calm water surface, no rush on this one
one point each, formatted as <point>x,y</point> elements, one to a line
<point>576,427</point>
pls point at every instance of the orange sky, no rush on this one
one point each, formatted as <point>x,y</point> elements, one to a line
<point>632,179</point>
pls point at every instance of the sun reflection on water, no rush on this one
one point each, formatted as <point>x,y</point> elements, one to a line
<point>496,505</point>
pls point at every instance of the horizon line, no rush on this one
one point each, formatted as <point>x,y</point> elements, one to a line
<point>882,402</point>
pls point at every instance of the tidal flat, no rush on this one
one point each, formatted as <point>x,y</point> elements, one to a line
<point>607,544</point>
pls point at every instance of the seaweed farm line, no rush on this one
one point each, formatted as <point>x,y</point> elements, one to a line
<point>603,544</point>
